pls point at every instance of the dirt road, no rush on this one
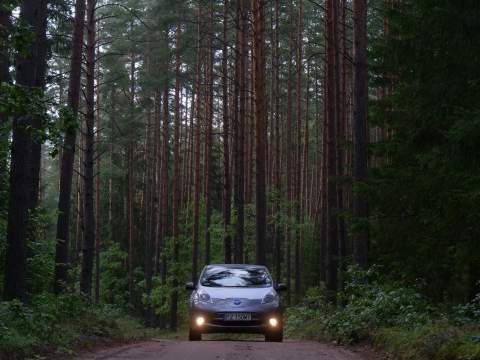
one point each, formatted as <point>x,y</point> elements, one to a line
<point>226,350</point>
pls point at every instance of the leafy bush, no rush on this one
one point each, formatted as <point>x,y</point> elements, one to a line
<point>307,320</point>
<point>370,302</point>
<point>439,340</point>
<point>396,318</point>
<point>469,313</point>
<point>55,324</point>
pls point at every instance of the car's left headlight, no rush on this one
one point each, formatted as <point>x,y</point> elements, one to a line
<point>270,298</point>
<point>202,296</point>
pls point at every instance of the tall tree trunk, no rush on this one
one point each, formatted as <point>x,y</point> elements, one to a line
<point>176,178</point>
<point>41,49</point>
<point>165,193</point>
<point>227,189</point>
<point>110,175</point>
<point>288,154</point>
<point>187,149</point>
<point>258,9</point>
<point>158,220</point>
<point>131,181</point>
<point>239,124</point>
<point>332,121</point>
<point>208,133</point>
<point>298,160</point>
<point>360,206</point>
<point>189,178</point>
<point>198,128</point>
<point>323,190</point>
<point>278,170</point>
<point>79,205</point>
<point>342,112</point>
<point>88,248</point>
<point>25,153</point>
<point>98,204</point>
<point>150,161</point>
<point>68,151</point>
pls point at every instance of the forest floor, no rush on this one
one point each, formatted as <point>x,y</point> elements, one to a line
<point>249,349</point>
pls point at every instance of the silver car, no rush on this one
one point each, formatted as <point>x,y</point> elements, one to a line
<point>238,299</point>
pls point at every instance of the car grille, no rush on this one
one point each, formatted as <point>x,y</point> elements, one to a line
<point>231,302</point>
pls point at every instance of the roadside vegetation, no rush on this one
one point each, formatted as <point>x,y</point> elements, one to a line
<point>61,326</point>
<point>391,316</point>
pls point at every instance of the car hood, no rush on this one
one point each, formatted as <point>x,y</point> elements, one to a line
<point>232,292</point>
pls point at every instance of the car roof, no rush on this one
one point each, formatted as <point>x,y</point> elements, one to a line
<point>237,266</point>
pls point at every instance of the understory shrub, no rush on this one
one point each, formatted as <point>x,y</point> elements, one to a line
<point>394,317</point>
<point>50,324</point>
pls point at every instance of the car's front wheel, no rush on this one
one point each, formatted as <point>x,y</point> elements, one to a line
<point>274,336</point>
<point>194,335</point>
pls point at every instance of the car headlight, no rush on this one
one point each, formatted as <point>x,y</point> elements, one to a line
<point>270,298</point>
<point>202,296</point>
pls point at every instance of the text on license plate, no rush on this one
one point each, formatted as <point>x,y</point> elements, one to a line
<point>237,317</point>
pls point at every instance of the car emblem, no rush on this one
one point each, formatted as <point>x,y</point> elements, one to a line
<point>237,302</point>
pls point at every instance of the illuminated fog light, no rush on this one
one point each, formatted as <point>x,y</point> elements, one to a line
<point>273,322</point>
<point>200,321</point>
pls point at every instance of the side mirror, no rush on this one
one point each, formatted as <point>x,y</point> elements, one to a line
<point>189,286</point>
<point>281,287</point>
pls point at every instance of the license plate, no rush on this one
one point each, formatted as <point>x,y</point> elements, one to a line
<point>237,317</point>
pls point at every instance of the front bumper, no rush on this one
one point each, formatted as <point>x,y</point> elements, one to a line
<point>215,323</point>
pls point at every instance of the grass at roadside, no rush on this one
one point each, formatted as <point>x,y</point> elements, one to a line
<point>60,326</point>
<point>391,317</point>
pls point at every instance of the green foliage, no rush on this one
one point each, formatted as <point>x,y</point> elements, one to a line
<point>424,189</point>
<point>437,340</point>
<point>395,317</point>
<point>8,5</point>
<point>370,301</point>
<point>40,263</point>
<point>113,281</point>
<point>57,323</point>
<point>468,313</point>
<point>307,320</point>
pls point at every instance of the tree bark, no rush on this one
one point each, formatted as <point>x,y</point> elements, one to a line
<point>342,112</point>
<point>208,133</point>
<point>150,168</point>
<point>176,178</point>
<point>68,152</point>
<point>198,128</point>
<point>288,155</point>
<point>239,130</point>
<point>258,9</point>
<point>227,188</point>
<point>360,205</point>
<point>158,157</point>
<point>164,178</point>
<point>332,121</point>
<point>25,153</point>
<point>98,204</point>
<point>88,248</point>
<point>298,160</point>
<point>131,181</point>
<point>278,170</point>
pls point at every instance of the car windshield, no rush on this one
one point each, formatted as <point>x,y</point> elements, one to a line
<point>222,276</point>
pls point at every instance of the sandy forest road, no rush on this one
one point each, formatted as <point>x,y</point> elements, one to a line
<point>226,350</point>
